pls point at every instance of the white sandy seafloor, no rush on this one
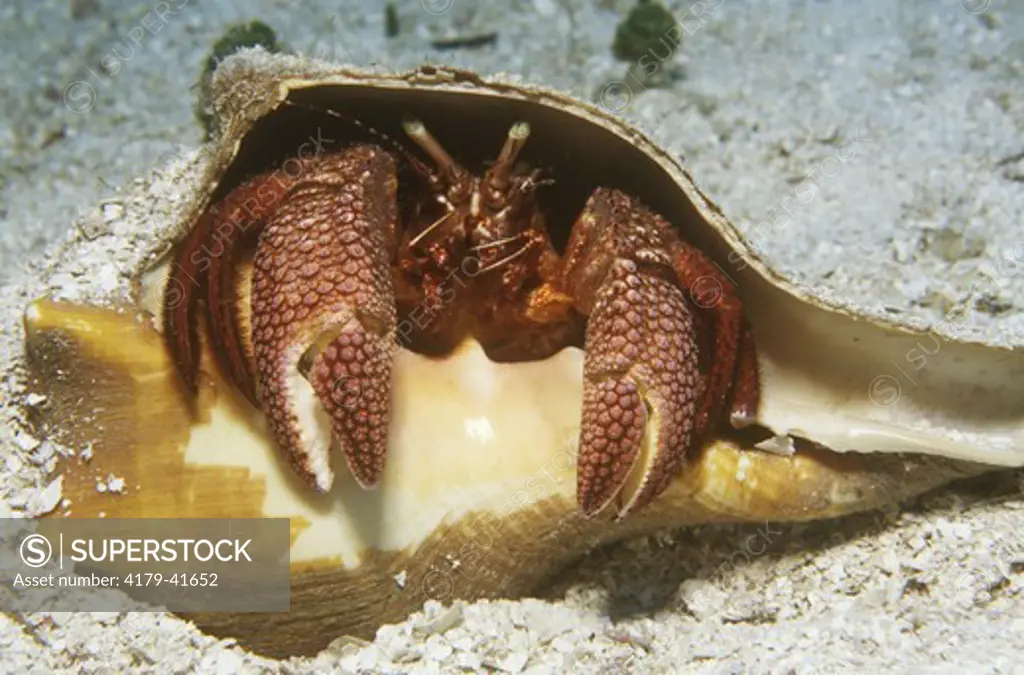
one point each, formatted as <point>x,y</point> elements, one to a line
<point>873,149</point>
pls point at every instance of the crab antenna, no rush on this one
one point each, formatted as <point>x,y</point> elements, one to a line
<point>437,223</point>
<point>392,144</point>
<point>498,242</point>
<point>416,131</point>
<point>497,175</point>
<point>507,259</point>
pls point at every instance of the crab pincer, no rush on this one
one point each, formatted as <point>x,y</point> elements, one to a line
<point>323,313</point>
<point>645,392</point>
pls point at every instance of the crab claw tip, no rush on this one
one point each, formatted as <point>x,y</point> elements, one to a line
<point>642,382</point>
<point>351,376</point>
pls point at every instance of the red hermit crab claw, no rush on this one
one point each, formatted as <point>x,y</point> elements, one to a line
<point>649,394</point>
<point>641,390</point>
<point>322,308</point>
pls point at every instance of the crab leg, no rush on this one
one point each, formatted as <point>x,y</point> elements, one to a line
<point>323,313</point>
<point>208,258</point>
<point>642,384</point>
<point>733,375</point>
<point>746,383</point>
<point>181,299</point>
<point>242,214</point>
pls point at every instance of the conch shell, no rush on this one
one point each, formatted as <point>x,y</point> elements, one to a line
<point>478,496</point>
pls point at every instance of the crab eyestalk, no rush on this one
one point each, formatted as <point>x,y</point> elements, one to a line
<point>417,132</point>
<point>498,178</point>
<point>323,315</point>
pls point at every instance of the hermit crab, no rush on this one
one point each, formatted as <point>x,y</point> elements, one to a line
<point>471,257</point>
<point>556,260</point>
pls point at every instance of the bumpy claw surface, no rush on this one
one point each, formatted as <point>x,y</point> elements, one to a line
<point>323,313</point>
<point>207,258</point>
<point>351,379</point>
<point>641,387</point>
<point>650,394</point>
